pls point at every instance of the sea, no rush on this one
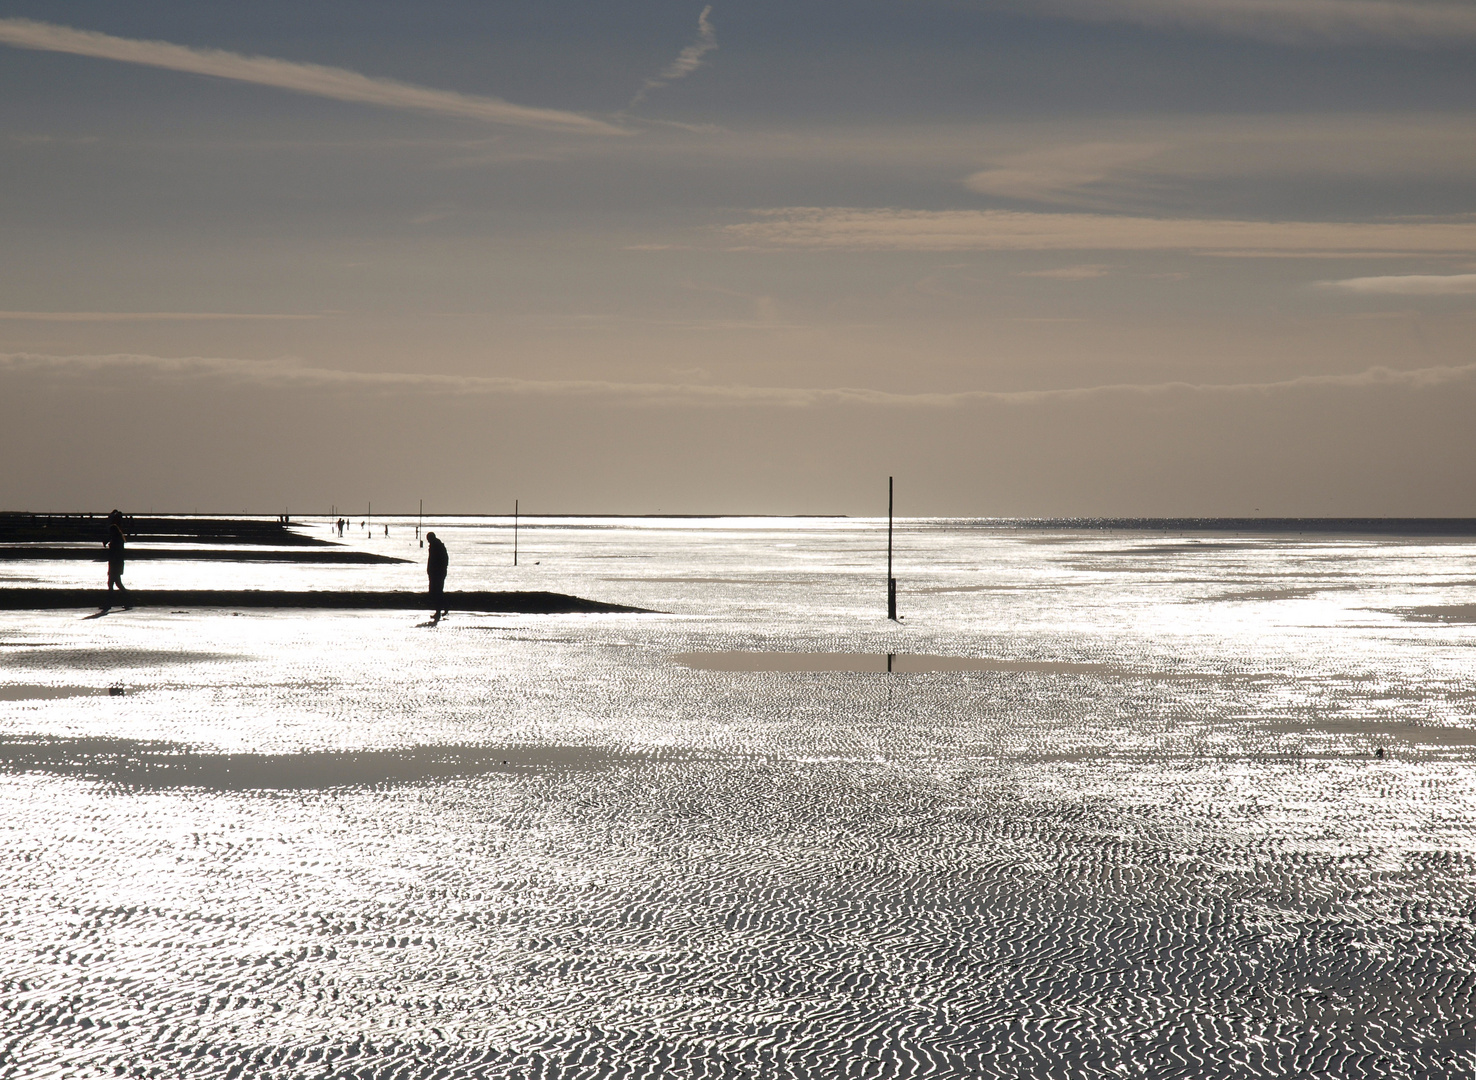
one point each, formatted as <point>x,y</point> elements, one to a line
<point>1109,799</point>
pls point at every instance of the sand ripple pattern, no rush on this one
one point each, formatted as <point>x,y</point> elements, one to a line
<point>700,918</point>
<point>1155,840</point>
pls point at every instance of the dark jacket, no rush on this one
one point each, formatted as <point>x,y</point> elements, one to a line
<point>438,561</point>
<point>115,543</point>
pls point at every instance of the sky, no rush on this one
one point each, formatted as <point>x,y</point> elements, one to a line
<point>1061,258</point>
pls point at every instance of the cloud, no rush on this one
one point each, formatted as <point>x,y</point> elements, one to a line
<point>1409,284</point>
<point>144,316</point>
<point>1286,22</point>
<point>283,375</point>
<point>850,229</point>
<point>1079,272</point>
<point>1059,173</point>
<point>687,61</point>
<point>329,82</point>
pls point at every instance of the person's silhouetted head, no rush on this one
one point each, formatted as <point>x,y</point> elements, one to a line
<point>430,536</point>
<point>116,515</point>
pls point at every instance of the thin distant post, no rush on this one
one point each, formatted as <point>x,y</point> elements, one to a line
<point>891,581</point>
<point>420,522</point>
<point>515,532</point>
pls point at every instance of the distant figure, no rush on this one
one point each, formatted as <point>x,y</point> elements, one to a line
<point>386,530</point>
<point>435,566</point>
<point>114,544</point>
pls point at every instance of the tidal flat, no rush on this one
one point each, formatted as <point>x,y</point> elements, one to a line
<point>1107,802</point>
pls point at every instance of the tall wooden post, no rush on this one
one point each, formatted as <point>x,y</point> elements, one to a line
<point>420,523</point>
<point>515,532</point>
<point>891,581</point>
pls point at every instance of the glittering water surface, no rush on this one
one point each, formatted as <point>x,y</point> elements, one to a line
<point>1140,828</point>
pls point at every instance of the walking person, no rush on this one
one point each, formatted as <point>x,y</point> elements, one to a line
<point>114,544</point>
<point>435,566</point>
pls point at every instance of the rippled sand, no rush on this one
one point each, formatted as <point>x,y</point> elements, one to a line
<point>1140,828</point>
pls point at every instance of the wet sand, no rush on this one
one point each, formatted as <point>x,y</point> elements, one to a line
<point>1373,527</point>
<point>897,663</point>
<point>286,845</point>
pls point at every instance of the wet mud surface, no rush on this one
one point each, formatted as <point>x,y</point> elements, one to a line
<point>343,843</point>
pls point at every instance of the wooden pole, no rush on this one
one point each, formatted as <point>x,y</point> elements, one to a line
<point>515,532</point>
<point>420,523</point>
<point>891,581</point>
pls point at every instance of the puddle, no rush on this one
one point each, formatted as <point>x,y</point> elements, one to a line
<point>165,764</point>
<point>22,692</point>
<point>1439,613</point>
<point>1258,596</point>
<point>1385,731</point>
<point>104,659</point>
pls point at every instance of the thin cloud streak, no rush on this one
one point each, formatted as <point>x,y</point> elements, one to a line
<point>1057,174</point>
<point>281,375</point>
<point>1409,285</point>
<point>849,229</point>
<point>687,61</point>
<point>147,316</point>
<point>1285,22</point>
<point>318,80</point>
<point>1081,272</point>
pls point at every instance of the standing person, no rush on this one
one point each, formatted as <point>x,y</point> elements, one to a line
<point>114,544</point>
<point>435,566</point>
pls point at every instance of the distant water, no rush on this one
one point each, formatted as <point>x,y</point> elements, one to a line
<point>1118,810</point>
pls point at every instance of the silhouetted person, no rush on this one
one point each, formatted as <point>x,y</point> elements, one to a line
<point>114,544</point>
<point>435,566</point>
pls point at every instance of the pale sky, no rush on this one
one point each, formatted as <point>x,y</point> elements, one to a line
<point>1079,257</point>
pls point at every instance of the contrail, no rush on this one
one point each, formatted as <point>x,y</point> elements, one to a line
<point>316,79</point>
<point>687,61</point>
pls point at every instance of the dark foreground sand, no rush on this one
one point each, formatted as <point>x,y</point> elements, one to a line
<point>526,603</point>
<point>337,555</point>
